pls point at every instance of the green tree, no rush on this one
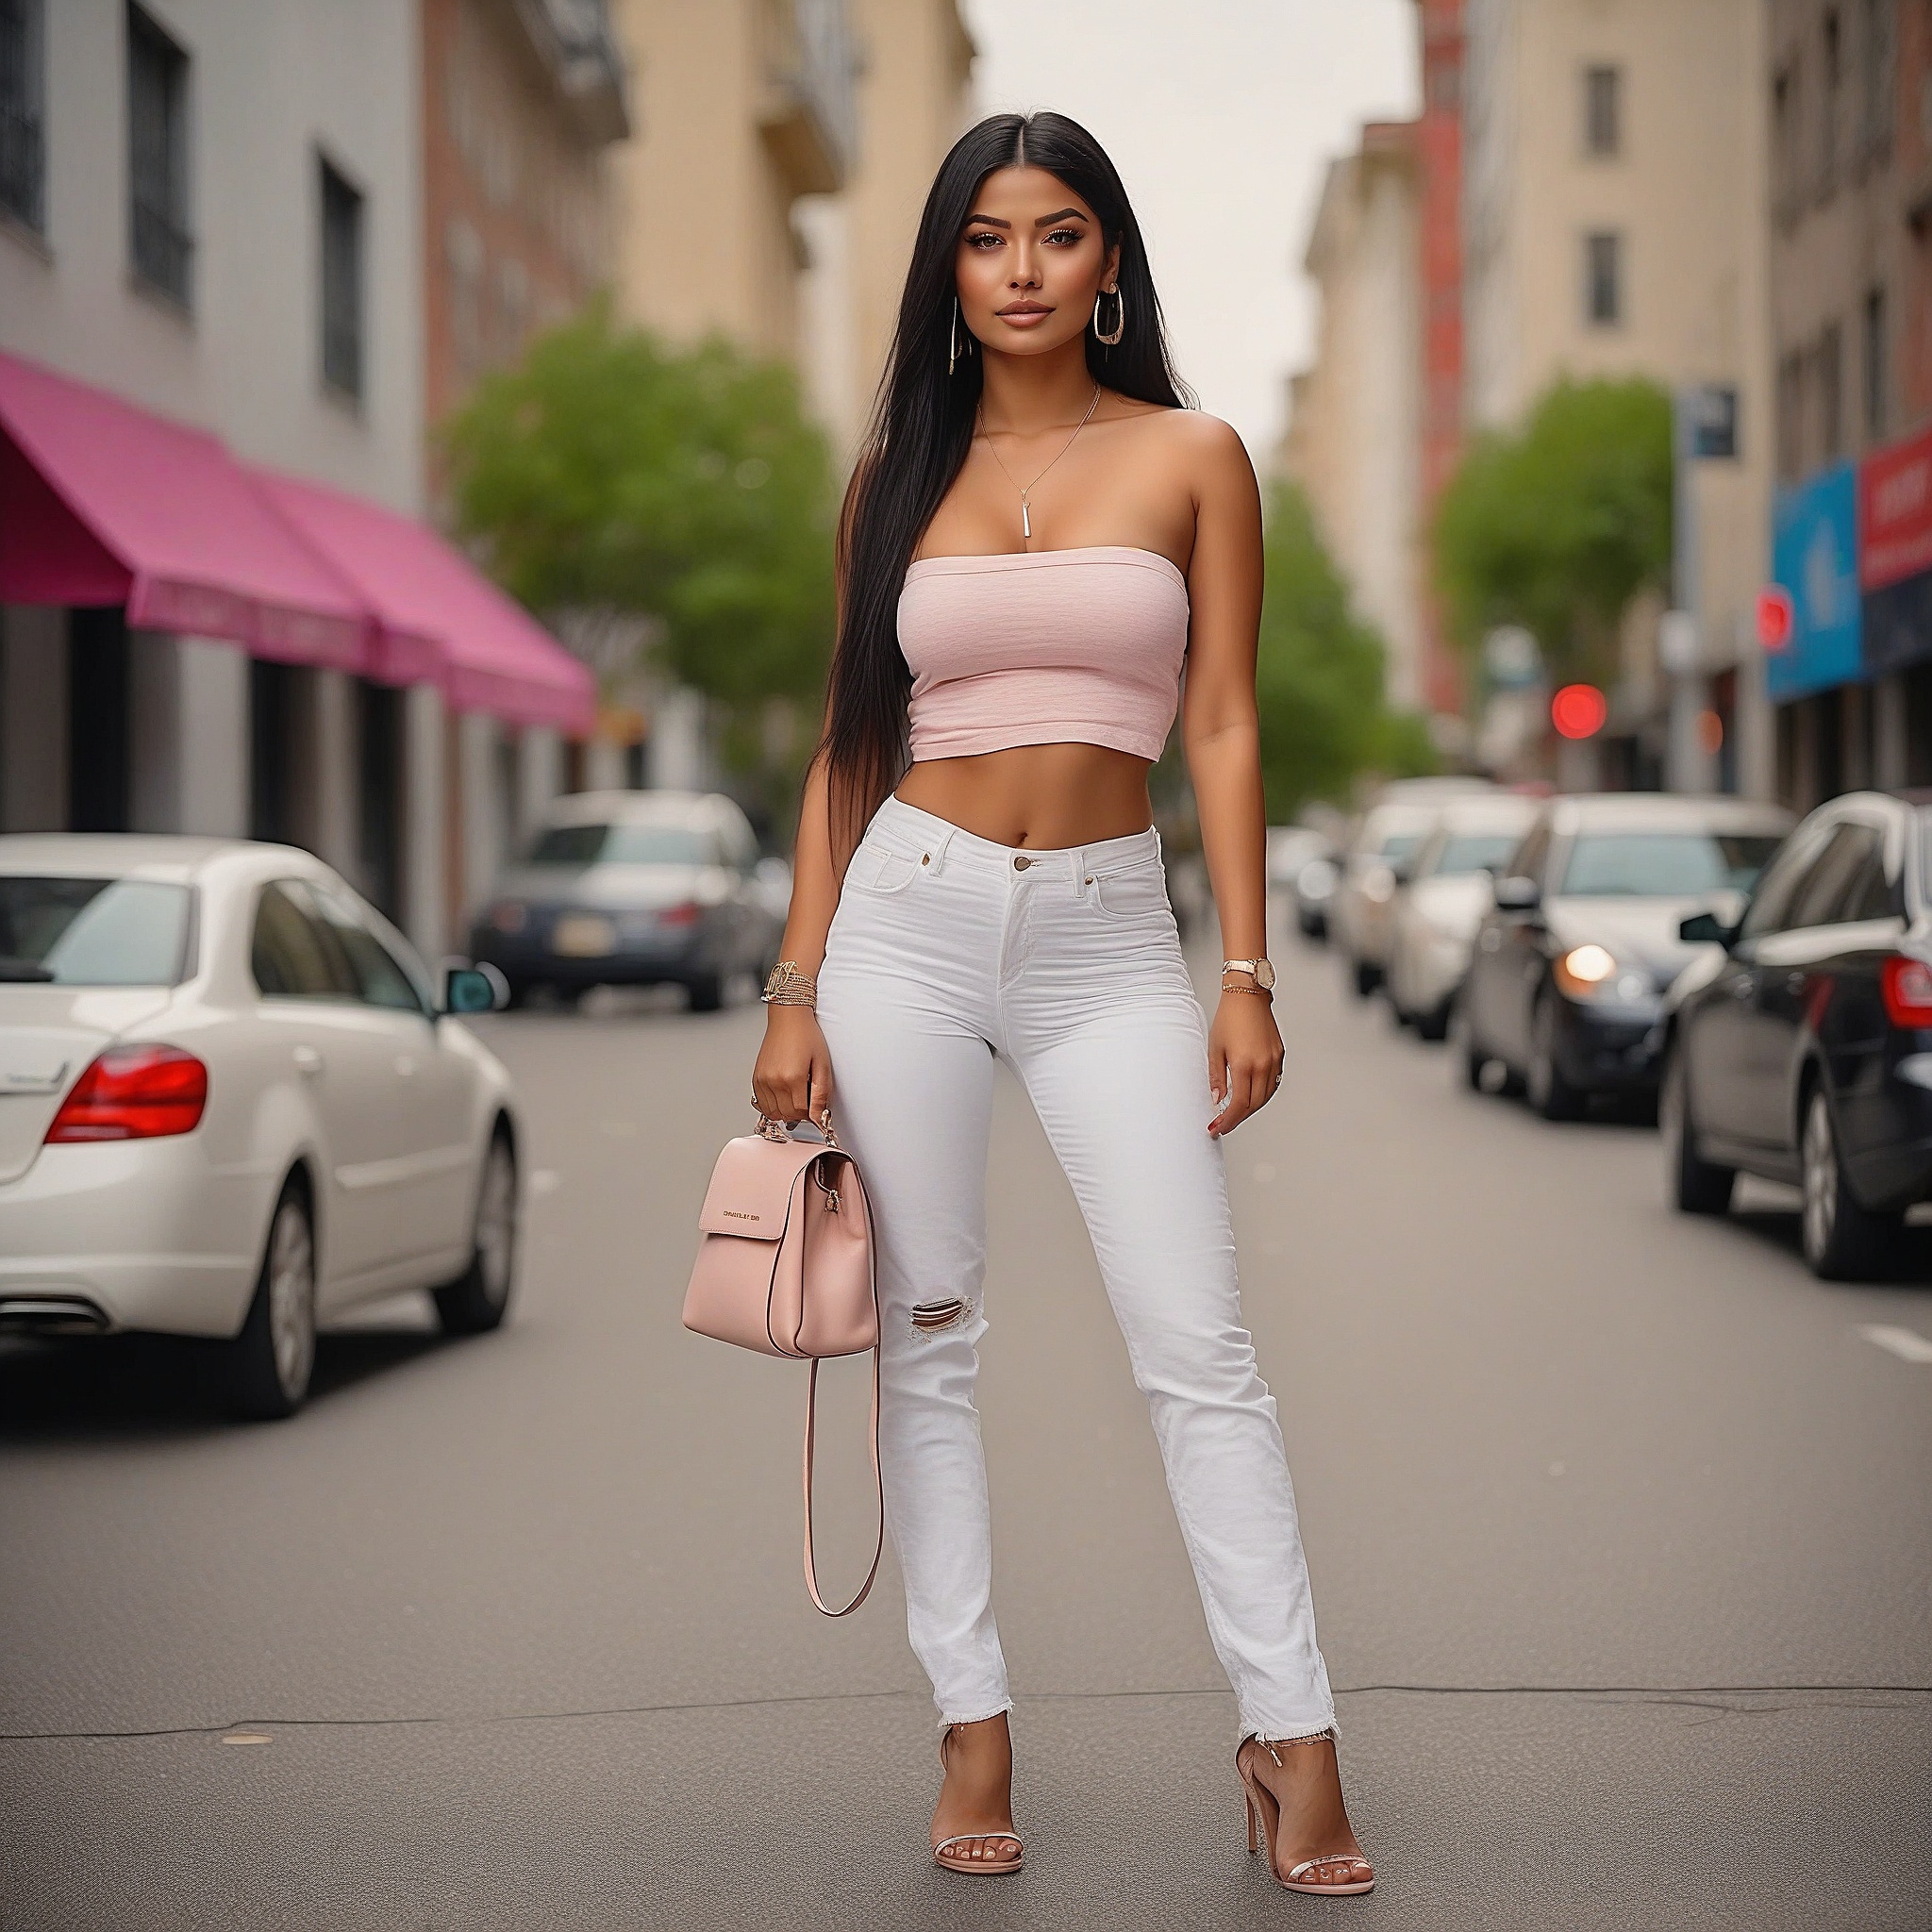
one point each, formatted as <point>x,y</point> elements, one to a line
<point>608,472</point>
<point>1558,526</point>
<point>1319,675</point>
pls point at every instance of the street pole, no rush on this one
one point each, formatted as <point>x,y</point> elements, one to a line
<point>1680,645</point>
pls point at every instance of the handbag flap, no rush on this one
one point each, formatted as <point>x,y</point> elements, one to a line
<point>751,1185</point>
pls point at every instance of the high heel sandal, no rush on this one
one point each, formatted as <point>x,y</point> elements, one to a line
<point>1264,1810</point>
<point>977,1868</point>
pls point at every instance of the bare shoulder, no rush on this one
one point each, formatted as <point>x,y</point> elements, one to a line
<point>1208,450</point>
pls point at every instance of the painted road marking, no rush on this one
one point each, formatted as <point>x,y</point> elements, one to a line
<point>1906,1344</point>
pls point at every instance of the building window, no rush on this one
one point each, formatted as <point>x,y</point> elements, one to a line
<point>1787,141</point>
<point>1874,62</point>
<point>342,284</point>
<point>1602,280</point>
<point>1875,371</point>
<point>157,156</point>
<point>1831,394</point>
<point>1829,101</point>
<point>22,140</point>
<point>1603,110</point>
<point>1791,417</point>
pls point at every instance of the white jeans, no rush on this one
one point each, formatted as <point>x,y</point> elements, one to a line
<point>947,950</point>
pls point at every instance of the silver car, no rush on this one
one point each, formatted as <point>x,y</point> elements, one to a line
<point>1444,891</point>
<point>1391,831</point>
<point>637,889</point>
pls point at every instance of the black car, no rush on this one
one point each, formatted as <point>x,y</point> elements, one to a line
<point>637,889</point>
<point>1569,967</point>
<point>1804,1051</point>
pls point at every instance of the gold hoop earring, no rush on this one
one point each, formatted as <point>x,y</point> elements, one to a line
<point>955,347</point>
<point>1120,319</point>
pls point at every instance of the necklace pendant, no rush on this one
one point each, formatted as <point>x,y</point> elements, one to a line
<point>1025,518</point>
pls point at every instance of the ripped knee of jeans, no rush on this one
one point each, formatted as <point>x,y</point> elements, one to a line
<point>935,1318</point>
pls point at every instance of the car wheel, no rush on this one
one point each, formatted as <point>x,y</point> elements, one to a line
<point>269,1364</point>
<point>1551,1094</point>
<point>1467,1057</point>
<point>1844,1242</point>
<point>1434,1023</point>
<point>1695,1186</point>
<point>1365,977</point>
<point>478,1300</point>
<point>707,992</point>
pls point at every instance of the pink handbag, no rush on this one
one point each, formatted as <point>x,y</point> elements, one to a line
<point>786,1267</point>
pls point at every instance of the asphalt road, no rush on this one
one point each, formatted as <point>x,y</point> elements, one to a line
<point>1620,1531</point>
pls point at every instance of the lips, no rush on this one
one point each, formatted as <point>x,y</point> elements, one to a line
<point>1023,314</point>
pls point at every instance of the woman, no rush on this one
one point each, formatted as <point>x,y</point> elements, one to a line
<point>1040,533</point>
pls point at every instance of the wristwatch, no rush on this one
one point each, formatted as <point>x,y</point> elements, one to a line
<point>1260,971</point>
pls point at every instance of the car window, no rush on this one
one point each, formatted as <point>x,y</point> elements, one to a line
<point>1782,880</point>
<point>293,953</point>
<point>1472,852</point>
<point>379,979</point>
<point>1871,893</point>
<point>93,932</point>
<point>1843,882</point>
<point>1663,865</point>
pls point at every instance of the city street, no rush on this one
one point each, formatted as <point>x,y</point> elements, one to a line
<point>1619,1527</point>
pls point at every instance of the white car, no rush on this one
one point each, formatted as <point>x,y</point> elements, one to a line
<point>232,1102</point>
<point>1390,831</point>
<point>1445,892</point>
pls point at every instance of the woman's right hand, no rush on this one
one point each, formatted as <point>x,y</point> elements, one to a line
<point>793,1076</point>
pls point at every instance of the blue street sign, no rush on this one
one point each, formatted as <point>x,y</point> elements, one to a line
<point>1814,555</point>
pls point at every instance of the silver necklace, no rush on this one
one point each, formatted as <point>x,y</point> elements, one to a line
<point>1026,490</point>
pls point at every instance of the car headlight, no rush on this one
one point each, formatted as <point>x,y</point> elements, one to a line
<point>1592,973</point>
<point>509,915</point>
<point>1586,972</point>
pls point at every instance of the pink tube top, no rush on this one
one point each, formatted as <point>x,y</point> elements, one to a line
<point>1044,647</point>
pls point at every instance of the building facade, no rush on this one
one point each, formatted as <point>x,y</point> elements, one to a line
<point>211,263</point>
<point>743,107</point>
<point>1355,439</point>
<point>522,103</point>
<point>1615,223</point>
<point>1851,150</point>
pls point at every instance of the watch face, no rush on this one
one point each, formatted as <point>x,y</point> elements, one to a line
<point>1264,976</point>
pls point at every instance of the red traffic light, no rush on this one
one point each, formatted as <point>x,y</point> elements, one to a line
<point>1578,711</point>
<point>1776,617</point>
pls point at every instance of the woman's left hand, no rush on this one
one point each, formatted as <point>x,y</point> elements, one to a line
<point>1243,1058</point>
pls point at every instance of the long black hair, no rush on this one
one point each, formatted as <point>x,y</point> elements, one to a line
<point>922,429</point>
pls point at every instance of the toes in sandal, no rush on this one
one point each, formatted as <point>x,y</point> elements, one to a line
<point>948,1860</point>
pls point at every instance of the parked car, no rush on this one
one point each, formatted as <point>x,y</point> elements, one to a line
<point>1389,832</point>
<point>1803,1050</point>
<point>231,1102</point>
<point>1567,979</point>
<point>637,889</point>
<point>1291,850</point>
<point>1314,893</point>
<point>1442,895</point>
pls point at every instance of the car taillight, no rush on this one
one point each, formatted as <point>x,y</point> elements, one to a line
<point>1908,987</point>
<point>686,914</point>
<point>134,1093</point>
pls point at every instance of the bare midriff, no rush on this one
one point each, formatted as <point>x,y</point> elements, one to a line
<point>1043,795</point>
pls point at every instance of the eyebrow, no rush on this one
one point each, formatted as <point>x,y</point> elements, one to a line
<point>1044,222</point>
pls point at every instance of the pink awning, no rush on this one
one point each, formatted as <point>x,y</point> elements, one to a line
<point>439,616</point>
<point>104,503</point>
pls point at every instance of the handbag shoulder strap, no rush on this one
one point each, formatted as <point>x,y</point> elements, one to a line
<point>812,1580</point>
